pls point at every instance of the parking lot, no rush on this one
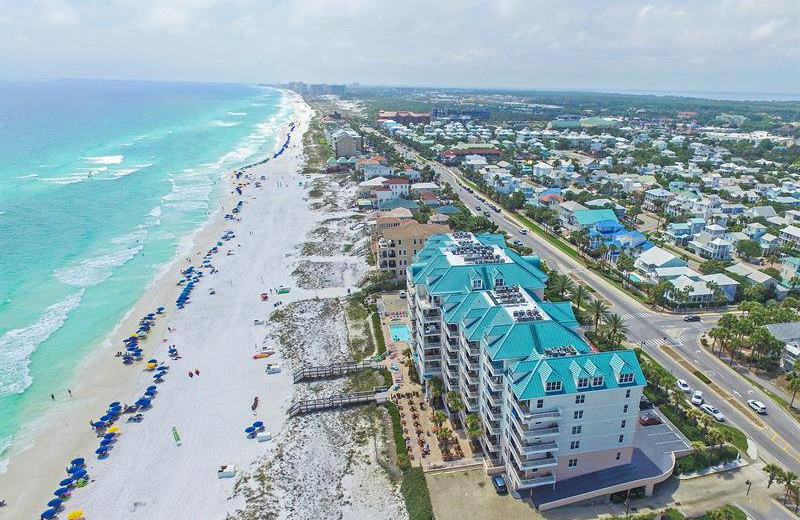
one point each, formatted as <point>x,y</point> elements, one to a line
<point>660,440</point>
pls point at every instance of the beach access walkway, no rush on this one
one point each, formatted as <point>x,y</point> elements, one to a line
<point>304,406</point>
<point>333,370</point>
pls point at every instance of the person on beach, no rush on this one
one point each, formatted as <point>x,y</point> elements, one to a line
<point>52,397</point>
<point>196,372</point>
<point>69,391</point>
<point>191,374</point>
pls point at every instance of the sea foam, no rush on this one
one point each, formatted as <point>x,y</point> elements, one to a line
<point>106,159</point>
<point>17,345</point>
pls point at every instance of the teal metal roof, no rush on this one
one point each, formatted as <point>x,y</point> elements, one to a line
<point>590,217</point>
<point>528,338</point>
<point>433,268</point>
<point>532,376</point>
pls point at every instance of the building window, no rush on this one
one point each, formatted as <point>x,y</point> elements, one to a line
<point>574,445</point>
<point>597,381</point>
<point>625,409</point>
<point>572,463</point>
<point>621,438</point>
<point>499,282</point>
<point>576,430</point>
<point>477,284</point>
<point>628,393</point>
<point>580,399</point>
<point>553,386</point>
<point>578,414</point>
<point>625,378</point>
<point>540,403</point>
<point>622,425</point>
<point>619,455</point>
<point>583,382</point>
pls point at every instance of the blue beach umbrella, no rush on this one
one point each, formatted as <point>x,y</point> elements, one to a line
<point>143,402</point>
<point>50,513</point>
<point>258,424</point>
<point>105,417</point>
<point>101,450</point>
<point>99,424</point>
<point>60,492</point>
<point>108,436</point>
<point>66,482</point>
<point>104,442</point>
<point>114,404</point>
<point>152,387</point>
<point>80,473</point>
<point>80,461</point>
<point>249,429</point>
<point>55,503</point>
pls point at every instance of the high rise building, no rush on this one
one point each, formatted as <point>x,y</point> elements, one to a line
<point>552,407</point>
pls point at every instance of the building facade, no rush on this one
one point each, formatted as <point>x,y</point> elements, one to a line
<point>552,408</point>
<point>397,245</point>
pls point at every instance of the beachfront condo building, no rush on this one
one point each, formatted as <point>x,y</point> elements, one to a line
<point>552,408</point>
<point>397,245</point>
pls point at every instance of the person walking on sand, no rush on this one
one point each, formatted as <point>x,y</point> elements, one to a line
<point>69,391</point>
<point>191,374</point>
<point>196,372</point>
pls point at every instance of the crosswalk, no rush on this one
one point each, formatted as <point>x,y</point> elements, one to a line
<point>689,335</point>
<point>636,315</point>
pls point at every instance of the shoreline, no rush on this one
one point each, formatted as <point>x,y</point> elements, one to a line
<point>100,378</point>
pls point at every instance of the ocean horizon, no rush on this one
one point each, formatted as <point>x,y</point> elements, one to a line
<point>102,183</point>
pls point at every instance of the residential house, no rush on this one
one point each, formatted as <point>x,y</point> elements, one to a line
<point>790,268</point>
<point>655,258</point>
<point>787,333</point>
<point>656,199</point>
<point>346,143</point>
<point>790,236</point>
<point>710,243</point>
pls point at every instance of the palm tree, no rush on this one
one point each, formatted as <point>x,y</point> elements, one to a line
<point>439,417</point>
<point>579,295</point>
<point>715,438</point>
<point>563,284</point>
<point>794,386</point>
<point>598,311</point>
<point>788,481</point>
<point>774,472</point>
<point>454,402</point>
<point>616,328</point>
<point>473,424</point>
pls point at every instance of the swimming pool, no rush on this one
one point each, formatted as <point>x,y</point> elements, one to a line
<point>632,277</point>
<point>399,332</point>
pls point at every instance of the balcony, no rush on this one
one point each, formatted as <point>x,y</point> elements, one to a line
<point>388,254</point>
<point>535,482</point>
<point>522,464</point>
<point>528,416</point>
<point>494,383</point>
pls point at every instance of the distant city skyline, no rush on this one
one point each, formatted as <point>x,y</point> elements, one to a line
<point>713,47</point>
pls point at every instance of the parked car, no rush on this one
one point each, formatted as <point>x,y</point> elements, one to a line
<point>523,231</point>
<point>649,419</point>
<point>758,406</point>
<point>683,386</point>
<point>402,294</point>
<point>487,214</point>
<point>691,317</point>
<point>499,485</point>
<point>697,398</point>
<point>645,403</point>
<point>478,208</point>
<point>517,242</point>
<point>713,412</point>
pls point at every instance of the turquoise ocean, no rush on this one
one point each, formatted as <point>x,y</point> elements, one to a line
<point>100,184</point>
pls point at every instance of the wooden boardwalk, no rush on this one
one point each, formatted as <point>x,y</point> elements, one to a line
<point>309,372</point>
<point>304,406</point>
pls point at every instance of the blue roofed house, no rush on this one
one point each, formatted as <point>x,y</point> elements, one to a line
<point>679,233</point>
<point>554,411</point>
<point>587,218</point>
<point>617,239</point>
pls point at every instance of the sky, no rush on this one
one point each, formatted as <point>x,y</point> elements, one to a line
<point>664,45</point>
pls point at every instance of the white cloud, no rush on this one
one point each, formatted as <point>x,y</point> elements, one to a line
<point>665,45</point>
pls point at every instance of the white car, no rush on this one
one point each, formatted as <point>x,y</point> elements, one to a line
<point>713,412</point>
<point>523,231</point>
<point>697,398</point>
<point>683,386</point>
<point>758,406</point>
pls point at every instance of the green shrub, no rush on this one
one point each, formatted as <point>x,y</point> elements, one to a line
<point>399,439</point>
<point>380,341</point>
<point>702,377</point>
<point>416,495</point>
<point>703,459</point>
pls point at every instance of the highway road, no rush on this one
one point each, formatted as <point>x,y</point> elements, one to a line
<point>776,435</point>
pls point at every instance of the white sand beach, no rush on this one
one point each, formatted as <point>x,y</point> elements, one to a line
<point>148,475</point>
